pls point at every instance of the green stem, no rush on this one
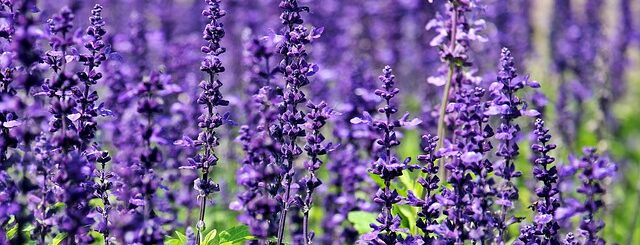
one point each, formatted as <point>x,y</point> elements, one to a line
<point>447,87</point>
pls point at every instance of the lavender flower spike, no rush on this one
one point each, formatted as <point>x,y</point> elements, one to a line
<point>211,98</point>
<point>86,98</point>
<point>296,72</point>
<point>387,165</point>
<point>315,148</point>
<point>545,226</point>
<point>594,170</point>
<point>508,106</point>
<point>456,30</point>
<point>429,207</point>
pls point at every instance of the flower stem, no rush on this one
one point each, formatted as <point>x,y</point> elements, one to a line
<point>283,214</point>
<point>447,87</point>
<point>203,206</point>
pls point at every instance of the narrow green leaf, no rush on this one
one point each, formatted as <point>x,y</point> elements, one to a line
<point>208,239</point>
<point>12,232</point>
<point>181,237</point>
<point>59,238</point>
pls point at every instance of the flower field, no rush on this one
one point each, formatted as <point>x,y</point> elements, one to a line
<point>382,122</point>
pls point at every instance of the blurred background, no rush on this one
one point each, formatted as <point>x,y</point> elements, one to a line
<point>585,54</point>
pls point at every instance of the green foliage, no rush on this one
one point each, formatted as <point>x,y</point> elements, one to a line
<point>209,237</point>
<point>59,238</point>
<point>361,220</point>
<point>232,236</point>
<point>11,233</point>
<point>98,238</point>
<point>96,202</point>
<point>26,231</point>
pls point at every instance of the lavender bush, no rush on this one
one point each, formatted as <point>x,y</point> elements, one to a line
<point>110,134</point>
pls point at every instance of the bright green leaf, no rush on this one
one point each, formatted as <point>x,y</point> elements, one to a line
<point>173,241</point>
<point>208,239</point>
<point>181,237</point>
<point>96,202</point>
<point>235,235</point>
<point>59,238</point>
<point>361,220</point>
<point>12,232</point>
<point>98,238</point>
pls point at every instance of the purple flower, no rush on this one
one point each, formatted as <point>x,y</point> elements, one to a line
<point>86,99</point>
<point>468,203</point>
<point>430,208</point>
<point>386,165</point>
<point>545,226</point>
<point>75,179</point>
<point>508,107</point>
<point>211,98</point>
<point>260,173</point>
<point>593,171</point>
<point>513,24</point>
<point>617,66</point>
<point>296,71</point>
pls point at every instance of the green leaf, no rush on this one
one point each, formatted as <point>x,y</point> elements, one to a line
<point>173,241</point>
<point>235,235</point>
<point>181,237</point>
<point>12,232</point>
<point>29,228</point>
<point>59,238</point>
<point>209,237</point>
<point>58,205</point>
<point>96,202</point>
<point>408,216</point>
<point>98,238</point>
<point>361,220</point>
<point>376,179</point>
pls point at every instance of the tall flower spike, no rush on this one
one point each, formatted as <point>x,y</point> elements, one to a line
<point>593,171</point>
<point>85,97</point>
<point>260,172</point>
<point>74,175</point>
<point>10,185</point>
<point>387,165</point>
<point>296,71</point>
<point>88,110</point>
<point>315,148</point>
<point>150,157</point>
<point>60,85</point>
<point>456,31</point>
<point>474,133</point>
<point>468,203</point>
<point>545,226</point>
<point>506,105</point>
<point>430,206</point>
<point>618,62</point>
<point>348,168</point>
<point>211,98</point>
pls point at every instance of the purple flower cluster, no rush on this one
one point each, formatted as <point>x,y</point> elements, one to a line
<point>211,99</point>
<point>592,170</point>
<point>387,165</point>
<point>109,132</point>
<point>509,107</point>
<point>296,71</point>
<point>545,228</point>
